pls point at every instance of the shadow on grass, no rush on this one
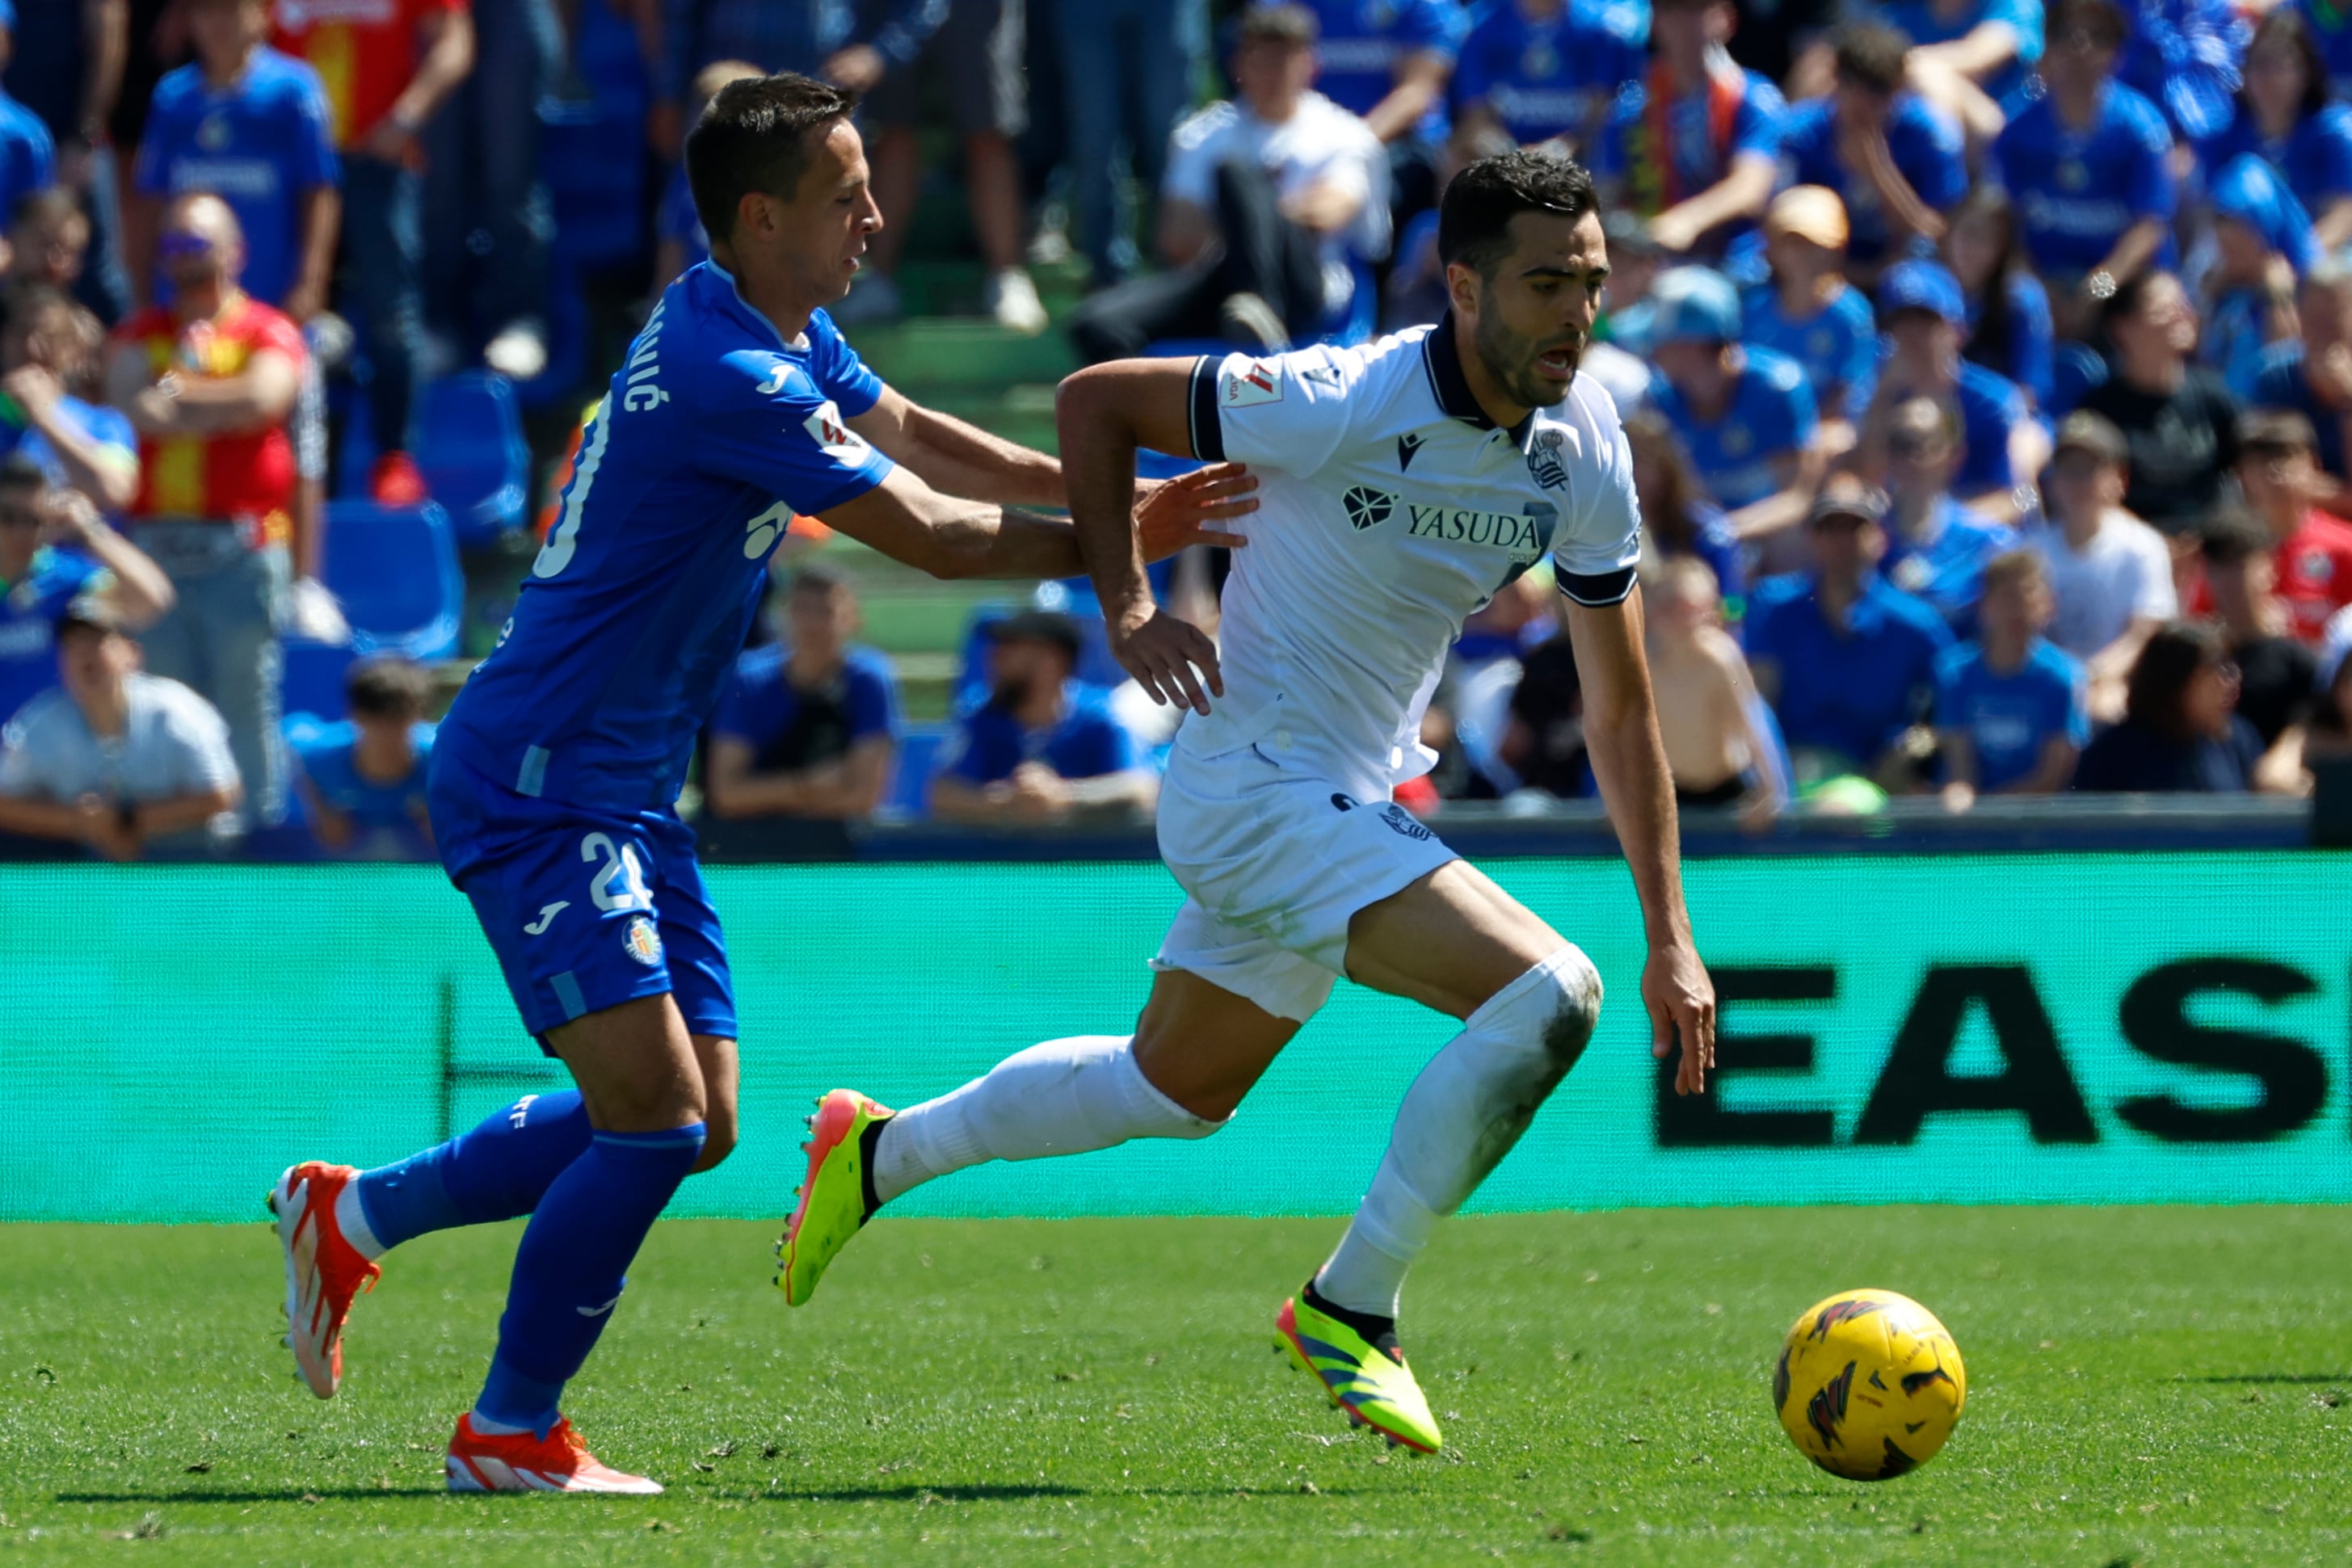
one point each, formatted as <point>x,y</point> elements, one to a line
<point>285,1494</point>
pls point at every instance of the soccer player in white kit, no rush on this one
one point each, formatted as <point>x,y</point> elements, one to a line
<point>1402,485</point>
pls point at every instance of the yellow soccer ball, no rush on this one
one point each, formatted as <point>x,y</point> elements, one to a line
<point>1869,1385</point>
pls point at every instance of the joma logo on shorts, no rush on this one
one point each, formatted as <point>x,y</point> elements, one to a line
<point>1492,529</point>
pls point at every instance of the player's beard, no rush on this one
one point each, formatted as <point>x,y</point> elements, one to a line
<point>1510,359</point>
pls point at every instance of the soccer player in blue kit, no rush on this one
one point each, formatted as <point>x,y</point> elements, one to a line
<point>554,775</point>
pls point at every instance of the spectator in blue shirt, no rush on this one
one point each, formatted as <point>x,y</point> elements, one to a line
<point>2262,244</point>
<point>1808,310</point>
<point>2088,165</point>
<point>2287,113</point>
<point>810,726</point>
<point>1968,55</point>
<point>1937,549</point>
<point>251,126</point>
<point>65,63</point>
<point>53,549</point>
<point>1846,659</point>
<point>2009,331</point>
<point>363,783</point>
<point>1695,145</point>
<point>1892,157</point>
<point>2313,376</point>
<point>1549,69</point>
<point>1746,417</point>
<point>2002,446</point>
<point>2183,55</point>
<point>1389,62</point>
<point>2012,710</point>
<point>29,153</point>
<point>86,447</point>
<point>1677,520</point>
<point>1043,746</point>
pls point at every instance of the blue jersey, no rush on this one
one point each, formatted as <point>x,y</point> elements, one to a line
<point>2010,719</point>
<point>1661,158</point>
<point>1854,690</point>
<point>29,156</point>
<point>1924,142</point>
<point>788,727</point>
<point>1556,78</point>
<point>2183,57</point>
<point>1770,414</point>
<point>1946,569</point>
<point>1089,742</point>
<point>1837,344</point>
<point>1922,23</point>
<point>2315,158</point>
<point>2077,191</point>
<point>29,608</point>
<point>712,434</point>
<point>388,817</point>
<point>2236,342</point>
<point>2283,384</point>
<point>1990,408</point>
<point>2027,353</point>
<point>258,146</point>
<point>1362,43</point>
<point>110,427</point>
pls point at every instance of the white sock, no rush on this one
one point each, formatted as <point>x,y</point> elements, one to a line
<point>1063,1097</point>
<point>351,1218</point>
<point>1461,1116</point>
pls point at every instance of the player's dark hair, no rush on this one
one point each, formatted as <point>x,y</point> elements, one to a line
<point>2174,654</point>
<point>2230,535</point>
<point>22,471</point>
<point>757,135</point>
<point>388,689</point>
<point>1872,56</point>
<point>1474,220</point>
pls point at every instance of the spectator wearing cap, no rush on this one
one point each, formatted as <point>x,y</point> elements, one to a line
<point>56,548</point>
<point>2087,165</point>
<point>363,783</point>
<point>2002,444</point>
<point>65,63</point>
<point>1938,547</point>
<point>90,449</point>
<point>1808,310</point>
<point>1677,520</point>
<point>117,759</point>
<point>2311,552</point>
<point>208,381</point>
<point>2010,330</point>
<point>2177,416</point>
<point>2110,572</point>
<point>387,66</point>
<point>1267,201</point>
<point>2287,114</point>
<point>1845,658</point>
<point>1695,145</point>
<point>2262,244</point>
<point>2240,585</point>
<point>1745,415</point>
<point>810,725</point>
<point>251,126</point>
<point>2314,376</point>
<point>29,153</point>
<point>2181,732</point>
<point>2013,709</point>
<point>1043,746</point>
<point>1893,159</point>
<point>1546,70</point>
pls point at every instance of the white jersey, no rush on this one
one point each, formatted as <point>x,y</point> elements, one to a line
<point>1390,508</point>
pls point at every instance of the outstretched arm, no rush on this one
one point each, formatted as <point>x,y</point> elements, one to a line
<point>1620,728</point>
<point>957,458</point>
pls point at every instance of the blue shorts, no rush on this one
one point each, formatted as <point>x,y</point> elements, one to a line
<point>585,908</point>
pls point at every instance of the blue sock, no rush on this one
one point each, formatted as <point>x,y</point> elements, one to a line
<point>499,1170</point>
<point>573,1263</point>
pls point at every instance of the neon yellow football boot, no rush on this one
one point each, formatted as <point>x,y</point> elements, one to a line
<point>1370,1383</point>
<point>838,1197</point>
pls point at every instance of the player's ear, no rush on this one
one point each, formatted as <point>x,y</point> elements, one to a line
<point>1462,287</point>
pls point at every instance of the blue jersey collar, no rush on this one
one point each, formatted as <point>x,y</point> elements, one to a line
<point>751,313</point>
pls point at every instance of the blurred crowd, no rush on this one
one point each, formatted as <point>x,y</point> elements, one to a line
<point>1987,367</point>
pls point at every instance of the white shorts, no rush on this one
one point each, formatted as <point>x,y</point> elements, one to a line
<point>1277,863</point>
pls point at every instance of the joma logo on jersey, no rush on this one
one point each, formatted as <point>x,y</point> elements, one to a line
<point>1499,530</point>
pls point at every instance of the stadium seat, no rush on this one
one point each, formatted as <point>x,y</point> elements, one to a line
<point>911,782</point>
<point>395,570</point>
<point>470,446</point>
<point>313,687</point>
<point>594,161</point>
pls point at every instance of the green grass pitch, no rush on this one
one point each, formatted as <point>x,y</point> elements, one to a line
<point>2152,1386</point>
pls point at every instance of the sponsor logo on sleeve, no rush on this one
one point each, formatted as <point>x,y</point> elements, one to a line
<point>1247,386</point>
<point>838,439</point>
